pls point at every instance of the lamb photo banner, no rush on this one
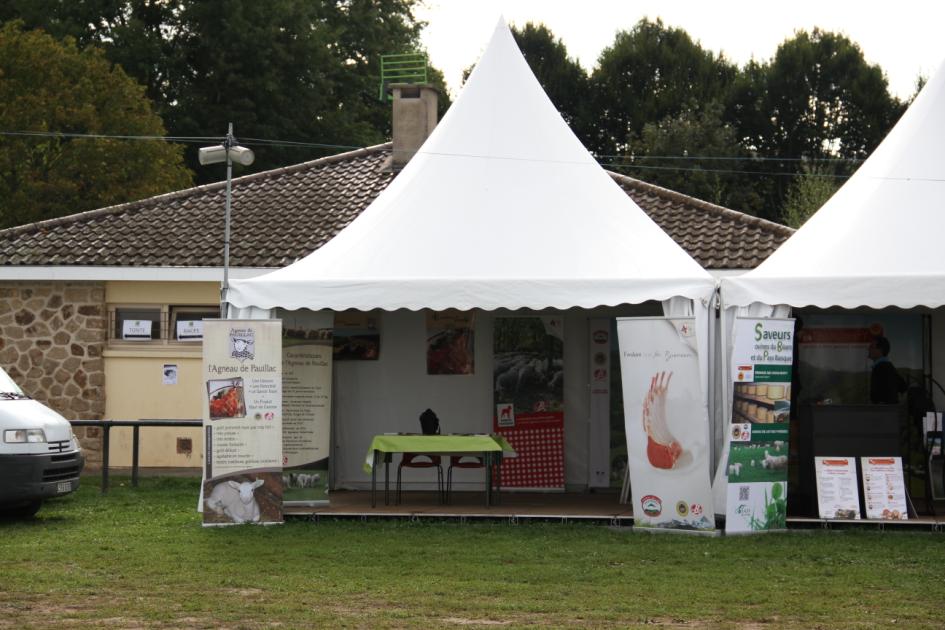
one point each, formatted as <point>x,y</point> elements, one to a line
<point>242,420</point>
<point>757,466</point>
<point>528,371</point>
<point>667,423</point>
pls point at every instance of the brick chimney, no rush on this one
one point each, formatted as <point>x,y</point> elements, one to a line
<point>414,117</point>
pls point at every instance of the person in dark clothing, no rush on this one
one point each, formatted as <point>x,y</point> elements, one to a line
<point>885,382</point>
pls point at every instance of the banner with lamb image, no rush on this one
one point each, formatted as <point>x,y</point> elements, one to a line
<point>667,423</point>
<point>528,379</point>
<point>242,419</point>
<point>757,465</point>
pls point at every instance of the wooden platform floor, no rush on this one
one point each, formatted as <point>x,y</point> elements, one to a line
<point>597,506</point>
<point>600,507</point>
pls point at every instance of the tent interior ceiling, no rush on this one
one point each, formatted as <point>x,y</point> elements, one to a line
<point>502,207</point>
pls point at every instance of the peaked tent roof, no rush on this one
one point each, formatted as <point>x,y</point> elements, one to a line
<point>878,241</point>
<point>501,208</point>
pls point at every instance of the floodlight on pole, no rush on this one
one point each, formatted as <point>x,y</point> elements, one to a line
<point>230,152</point>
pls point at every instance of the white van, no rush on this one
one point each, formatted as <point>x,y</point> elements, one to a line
<point>39,454</point>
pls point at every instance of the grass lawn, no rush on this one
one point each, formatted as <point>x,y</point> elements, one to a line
<point>139,558</point>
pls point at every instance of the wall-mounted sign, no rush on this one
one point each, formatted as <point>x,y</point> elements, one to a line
<point>189,329</point>
<point>136,329</point>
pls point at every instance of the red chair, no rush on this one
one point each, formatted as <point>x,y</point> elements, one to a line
<point>461,461</point>
<point>421,460</point>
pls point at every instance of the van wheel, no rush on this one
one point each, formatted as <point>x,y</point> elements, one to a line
<point>21,510</point>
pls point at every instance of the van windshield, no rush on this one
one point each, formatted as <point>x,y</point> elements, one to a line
<point>7,386</point>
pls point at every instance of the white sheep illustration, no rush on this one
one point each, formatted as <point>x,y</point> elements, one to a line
<point>236,500</point>
<point>774,461</point>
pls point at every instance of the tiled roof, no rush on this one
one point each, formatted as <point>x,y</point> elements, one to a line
<point>718,238</point>
<point>282,215</point>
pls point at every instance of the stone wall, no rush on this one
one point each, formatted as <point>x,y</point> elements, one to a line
<point>52,335</point>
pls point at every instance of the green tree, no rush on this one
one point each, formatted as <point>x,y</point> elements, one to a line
<point>817,99</point>
<point>47,85</point>
<point>295,70</point>
<point>809,192</point>
<point>562,77</point>
<point>696,153</point>
<point>648,74</point>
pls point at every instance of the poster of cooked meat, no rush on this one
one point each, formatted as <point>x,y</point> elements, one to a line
<point>242,366</point>
<point>226,398</point>
<point>356,336</point>
<point>528,379</point>
<point>756,468</point>
<point>667,423</point>
<point>450,340</point>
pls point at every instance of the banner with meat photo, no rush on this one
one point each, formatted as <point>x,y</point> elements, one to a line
<point>528,379</point>
<point>450,342</point>
<point>757,463</point>
<point>242,420</point>
<point>667,423</point>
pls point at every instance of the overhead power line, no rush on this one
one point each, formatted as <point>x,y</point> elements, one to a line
<point>608,161</point>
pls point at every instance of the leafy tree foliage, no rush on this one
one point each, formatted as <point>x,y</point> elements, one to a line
<point>562,77</point>
<point>809,191</point>
<point>48,85</point>
<point>649,73</point>
<point>817,98</point>
<point>671,153</point>
<point>294,70</point>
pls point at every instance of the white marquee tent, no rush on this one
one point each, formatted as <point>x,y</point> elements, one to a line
<point>502,208</point>
<point>878,241</point>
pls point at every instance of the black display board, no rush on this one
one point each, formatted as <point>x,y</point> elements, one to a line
<point>843,431</point>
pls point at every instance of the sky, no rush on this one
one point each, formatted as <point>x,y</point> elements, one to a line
<point>904,36</point>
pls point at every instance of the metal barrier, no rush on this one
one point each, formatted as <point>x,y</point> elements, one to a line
<point>135,425</point>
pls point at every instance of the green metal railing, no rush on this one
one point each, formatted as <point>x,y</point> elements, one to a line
<point>402,68</point>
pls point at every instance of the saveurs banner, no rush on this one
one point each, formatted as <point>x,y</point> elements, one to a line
<point>757,466</point>
<point>667,423</point>
<point>242,419</point>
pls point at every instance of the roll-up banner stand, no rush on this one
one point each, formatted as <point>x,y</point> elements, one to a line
<point>666,423</point>
<point>242,421</point>
<point>757,466</point>
<point>307,359</point>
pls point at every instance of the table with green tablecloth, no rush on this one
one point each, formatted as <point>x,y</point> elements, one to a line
<point>492,448</point>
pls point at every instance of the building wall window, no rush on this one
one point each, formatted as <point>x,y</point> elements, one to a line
<point>158,324</point>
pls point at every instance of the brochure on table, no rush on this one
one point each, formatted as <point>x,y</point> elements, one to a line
<point>837,492</point>
<point>884,489</point>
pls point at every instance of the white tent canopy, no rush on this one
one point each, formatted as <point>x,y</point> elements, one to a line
<point>879,241</point>
<point>502,207</point>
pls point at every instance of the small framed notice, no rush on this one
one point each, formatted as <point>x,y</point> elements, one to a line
<point>837,495</point>
<point>189,329</point>
<point>883,488</point>
<point>136,329</point>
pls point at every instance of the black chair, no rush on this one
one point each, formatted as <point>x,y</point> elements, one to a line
<point>421,460</point>
<point>461,461</point>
